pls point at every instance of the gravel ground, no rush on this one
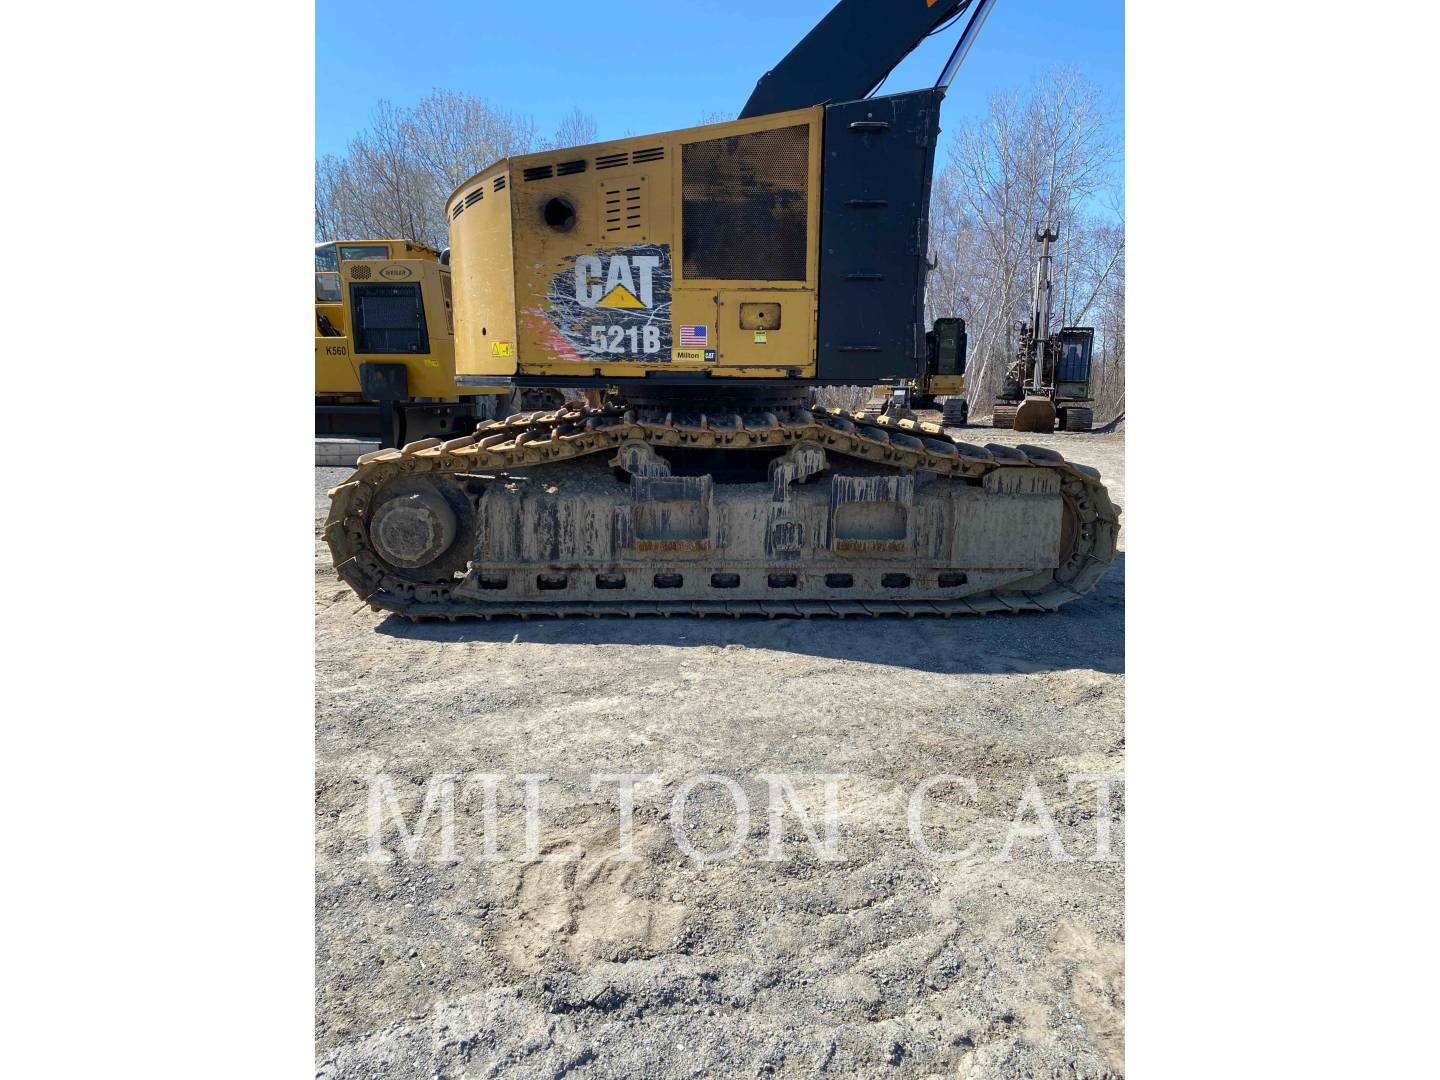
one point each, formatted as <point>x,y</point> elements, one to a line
<point>881,961</point>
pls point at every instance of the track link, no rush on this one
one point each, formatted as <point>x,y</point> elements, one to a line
<point>576,431</point>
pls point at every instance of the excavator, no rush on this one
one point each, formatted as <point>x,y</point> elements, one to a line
<point>1047,385</point>
<point>709,279</point>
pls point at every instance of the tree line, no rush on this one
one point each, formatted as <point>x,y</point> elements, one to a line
<point>394,177</point>
<point>1043,155</point>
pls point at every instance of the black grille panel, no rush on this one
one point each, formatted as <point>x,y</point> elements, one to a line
<point>745,205</point>
<point>538,172</point>
<point>567,168</point>
<point>388,319</point>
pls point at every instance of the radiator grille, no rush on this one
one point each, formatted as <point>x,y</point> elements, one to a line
<point>745,201</point>
<point>388,319</point>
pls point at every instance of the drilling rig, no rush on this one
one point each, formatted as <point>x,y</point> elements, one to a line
<point>712,277</point>
<point>1048,383</point>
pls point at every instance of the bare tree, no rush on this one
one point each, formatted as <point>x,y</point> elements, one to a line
<point>1037,158</point>
<point>1108,380</point>
<point>577,128</point>
<point>394,177</point>
<point>843,398</point>
<point>456,135</point>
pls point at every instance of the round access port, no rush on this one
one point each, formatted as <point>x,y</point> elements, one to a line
<point>559,214</point>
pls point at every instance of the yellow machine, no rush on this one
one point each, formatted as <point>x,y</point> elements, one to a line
<point>947,393</point>
<point>943,384</point>
<point>711,278</point>
<point>563,262</point>
<point>385,344</point>
<point>941,387</point>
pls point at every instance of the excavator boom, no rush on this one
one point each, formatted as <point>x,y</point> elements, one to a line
<point>849,52</point>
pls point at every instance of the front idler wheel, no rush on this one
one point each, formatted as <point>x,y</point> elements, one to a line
<point>421,527</point>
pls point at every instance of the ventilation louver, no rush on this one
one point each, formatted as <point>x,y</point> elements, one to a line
<point>622,207</point>
<point>639,157</point>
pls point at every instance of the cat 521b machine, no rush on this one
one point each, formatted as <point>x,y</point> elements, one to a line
<point>713,277</point>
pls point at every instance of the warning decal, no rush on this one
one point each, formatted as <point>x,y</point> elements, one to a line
<point>614,304</point>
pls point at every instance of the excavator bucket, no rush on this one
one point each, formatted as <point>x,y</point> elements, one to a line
<point>1036,413</point>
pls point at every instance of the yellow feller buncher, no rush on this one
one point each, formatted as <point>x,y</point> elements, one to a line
<point>712,278</point>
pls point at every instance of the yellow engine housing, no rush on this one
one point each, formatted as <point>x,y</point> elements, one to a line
<point>572,263</point>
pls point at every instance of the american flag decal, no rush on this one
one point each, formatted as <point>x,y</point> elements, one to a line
<point>696,337</point>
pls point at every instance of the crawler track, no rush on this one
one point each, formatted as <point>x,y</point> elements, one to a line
<point>1087,542</point>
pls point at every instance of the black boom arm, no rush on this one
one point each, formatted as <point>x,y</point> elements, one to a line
<point>850,51</point>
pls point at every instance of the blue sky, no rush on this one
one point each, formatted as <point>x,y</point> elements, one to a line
<point>643,65</point>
